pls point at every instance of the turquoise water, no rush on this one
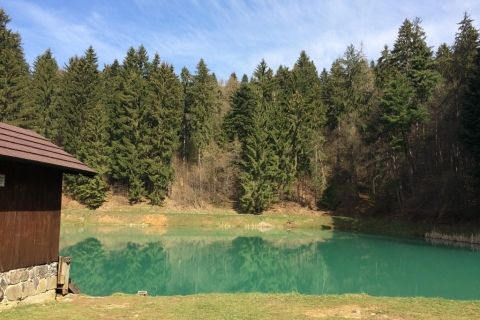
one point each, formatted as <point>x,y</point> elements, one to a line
<point>327,263</point>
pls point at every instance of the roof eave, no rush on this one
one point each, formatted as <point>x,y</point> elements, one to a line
<point>87,171</point>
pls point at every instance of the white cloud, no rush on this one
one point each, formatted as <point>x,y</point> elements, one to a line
<point>66,37</point>
<point>231,35</point>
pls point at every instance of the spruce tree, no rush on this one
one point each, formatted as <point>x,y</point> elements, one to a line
<point>444,62</point>
<point>305,113</point>
<point>470,117</point>
<point>383,68</point>
<point>186,80</point>
<point>259,169</point>
<point>412,57</point>
<point>334,96</point>
<point>228,91</point>
<point>351,87</point>
<point>464,50</point>
<point>45,93</point>
<point>128,131</point>
<point>259,166</point>
<point>14,77</point>
<point>72,101</point>
<point>111,80</point>
<point>202,106</point>
<point>400,112</point>
<point>231,87</point>
<point>413,78</point>
<point>84,128</point>
<point>264,85</point>
<point>239,121</point>
<point>163,121</point>
<point>284,128</point>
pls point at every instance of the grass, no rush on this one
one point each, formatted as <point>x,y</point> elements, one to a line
<point>401,227</point>
<point>381,226</point>
<point>218,219</point>
<point>247,306</point>
<point>226,219</point>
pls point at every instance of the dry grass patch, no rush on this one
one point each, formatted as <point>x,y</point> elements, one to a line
<point>107,219</point>
<point>345,311</point>
<point>156,220</point>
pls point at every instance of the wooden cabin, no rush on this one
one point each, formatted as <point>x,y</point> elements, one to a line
<point>31,169</point>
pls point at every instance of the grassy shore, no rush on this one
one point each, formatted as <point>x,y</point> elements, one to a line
<point>243,306</point>
<point>144,215</point>
<point>247,306</point>
<point>279,219</point>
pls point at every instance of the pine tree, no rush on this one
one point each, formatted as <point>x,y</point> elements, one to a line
<point>14,77</point>
<point>45,93</point>
<point>163,120</point>
<point>84,127</point>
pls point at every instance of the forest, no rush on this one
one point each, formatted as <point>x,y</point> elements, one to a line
<point>398,135</point>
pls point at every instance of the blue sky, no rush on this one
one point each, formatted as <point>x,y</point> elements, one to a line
<point>232,36</point>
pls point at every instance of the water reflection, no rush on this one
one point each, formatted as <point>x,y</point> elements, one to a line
<point>346,263</point>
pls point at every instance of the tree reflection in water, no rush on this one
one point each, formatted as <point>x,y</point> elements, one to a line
<point>344,264</point>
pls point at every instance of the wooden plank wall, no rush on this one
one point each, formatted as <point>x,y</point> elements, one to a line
<point>30,206</point>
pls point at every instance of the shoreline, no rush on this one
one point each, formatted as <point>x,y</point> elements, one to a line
<point>283,216</point>
<point>456,240</point>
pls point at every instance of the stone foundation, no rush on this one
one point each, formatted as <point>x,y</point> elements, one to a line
<point>36,283</point>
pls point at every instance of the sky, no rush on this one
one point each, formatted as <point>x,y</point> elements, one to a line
<point>230,35</point>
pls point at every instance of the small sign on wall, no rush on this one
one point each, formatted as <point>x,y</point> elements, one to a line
<point>2,180</point>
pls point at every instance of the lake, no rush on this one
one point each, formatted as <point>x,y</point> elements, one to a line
<point>186,261</point>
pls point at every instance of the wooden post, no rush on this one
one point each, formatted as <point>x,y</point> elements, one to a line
<point>63,274</point>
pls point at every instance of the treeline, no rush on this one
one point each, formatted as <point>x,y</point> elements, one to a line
<point>397,134</point>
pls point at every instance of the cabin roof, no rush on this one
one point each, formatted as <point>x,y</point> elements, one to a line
<point>28,146</point>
